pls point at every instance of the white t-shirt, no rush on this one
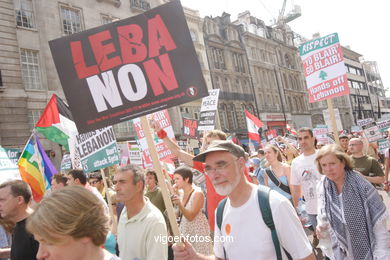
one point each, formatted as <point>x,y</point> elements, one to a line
<point>248,237</point>
<point>304,173</point>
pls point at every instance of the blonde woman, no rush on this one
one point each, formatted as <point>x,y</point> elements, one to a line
<point>70,224</point>
<point>352,207</point>
<point>277,175</point>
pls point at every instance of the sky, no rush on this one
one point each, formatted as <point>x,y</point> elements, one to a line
<point>363,25</point>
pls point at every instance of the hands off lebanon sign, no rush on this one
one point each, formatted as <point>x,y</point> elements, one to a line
<point>324,68</point>
<point>129,68</point>
<point>97,149</point>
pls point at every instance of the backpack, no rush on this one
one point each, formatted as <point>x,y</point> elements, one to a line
<point>265,208</point>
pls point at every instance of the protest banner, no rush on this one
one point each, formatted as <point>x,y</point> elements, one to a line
<point>383,145</point>
<point>66,162</point>
<point>208,111</point>
<point>356,129</point>
<point>324,68</point>
<point>97,149</point>
<point>124,153</point>
<point>135,154</point>
<point>271,133</point>
<point>129,68</point>
<point>383,125</point>
<point>370,129</point>
<point>9,169</point>
<point>190,128</point>
<point>164,153</point>
<point>366,121</point>
<point>320,132</point>
<point>328,121</point>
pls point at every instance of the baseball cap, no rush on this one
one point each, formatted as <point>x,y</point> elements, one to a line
<point>221,146</point>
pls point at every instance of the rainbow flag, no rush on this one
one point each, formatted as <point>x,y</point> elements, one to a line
<point>36,168</point>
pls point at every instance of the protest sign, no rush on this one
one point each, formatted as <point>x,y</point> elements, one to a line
<point>190,128</point>
<point>164,153</point>
<point>97,149</point>
<point>320,132</point>
<point>271,133</point>
<point>356,129</point>
<point>135,154</point>
<point>366,121</point>
<point>9,169</point>
<point>383,125</point>
<point>129,68</point>
<point>324,68</point>
<point>124,153</point>
<point>327,120</point>
<point>383,145</point>
<point>66,162</point>
<point>208,111</point>
<point>370,129</point>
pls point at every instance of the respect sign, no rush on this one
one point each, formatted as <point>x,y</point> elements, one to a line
<point>324,68</point>
<point>129,68</point>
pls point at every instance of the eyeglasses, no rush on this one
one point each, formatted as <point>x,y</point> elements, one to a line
<point>93,182</point>
<point>218,169</point>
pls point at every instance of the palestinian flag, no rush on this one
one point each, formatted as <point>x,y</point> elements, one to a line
<point>56,122</point>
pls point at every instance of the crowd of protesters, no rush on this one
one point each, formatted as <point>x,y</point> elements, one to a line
<point>81,217</point>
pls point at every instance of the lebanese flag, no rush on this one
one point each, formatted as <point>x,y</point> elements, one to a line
<point>253,124</point>
<point>56,122</point>
<point>291,130</point>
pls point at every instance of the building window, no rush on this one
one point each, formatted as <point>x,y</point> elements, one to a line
<point>238,62</point>
<point>194,38</point>
<point>227,84</point>
<point>30,69</point>
<point>24,13</point>
<point>216,83</point>
<point>141,5</point>
<point>223,117</point>
<point>354,70</point>
<point>1,80</point>
<point>108,19</point>
<point>71,20</point>
<point>33,117</point>
<point>290,104</point>
<point>238,84</point>
<point>196,115</point>
<point>218,58</point>
<point>233,114</point>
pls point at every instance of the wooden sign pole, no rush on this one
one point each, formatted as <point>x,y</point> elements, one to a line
<point>333,121</point>
<point>113,218</point>
<point>160,176</point>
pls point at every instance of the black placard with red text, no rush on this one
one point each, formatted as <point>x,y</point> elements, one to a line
<point>129,68</point>
<point>190,128</point>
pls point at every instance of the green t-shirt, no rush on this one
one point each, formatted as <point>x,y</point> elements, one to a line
<point>157,199</point>
<point>367,165</point>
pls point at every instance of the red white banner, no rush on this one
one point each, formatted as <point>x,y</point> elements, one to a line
<point>164,153</point>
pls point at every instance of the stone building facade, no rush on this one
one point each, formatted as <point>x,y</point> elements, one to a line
<point>277,75</point>
<point>230,73</point>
